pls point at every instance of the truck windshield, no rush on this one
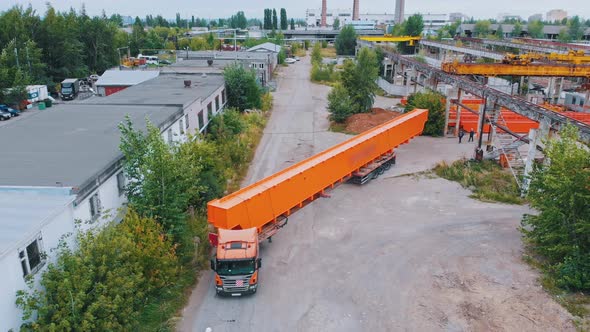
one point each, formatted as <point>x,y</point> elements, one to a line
<point>235,267</point>
<point>66,90</point>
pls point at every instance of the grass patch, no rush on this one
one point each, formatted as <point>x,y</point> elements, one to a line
<point>577,304</point>
<point>300,53</point>
<point>328,52</point>
<point>486,179</point>
<point>340,128</point>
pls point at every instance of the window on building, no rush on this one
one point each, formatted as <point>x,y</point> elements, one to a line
<point>216,103</point>
<point>210,110</point>
<point>181,126</point>
<point>223,96</point>
<point>32,257</point>
<point>201,121</point>
<point>186,121</point>
<point>310,15</point>
<point>261,65</point>
<point>95,207</point>
<point>169,136</point>
<point>121,183</point>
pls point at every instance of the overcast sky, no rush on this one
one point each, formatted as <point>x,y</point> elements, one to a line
<point>296,9</point>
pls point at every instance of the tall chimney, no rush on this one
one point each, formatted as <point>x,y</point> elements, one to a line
<point>355,10</point>
<point>324,9</point>
<point>399,11</point>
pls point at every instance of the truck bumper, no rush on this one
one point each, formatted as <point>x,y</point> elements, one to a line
<point>229,292</point>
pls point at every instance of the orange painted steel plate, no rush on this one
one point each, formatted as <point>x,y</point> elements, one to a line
<point>269,198</point>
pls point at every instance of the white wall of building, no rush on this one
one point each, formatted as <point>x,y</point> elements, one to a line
<point>12,279</point>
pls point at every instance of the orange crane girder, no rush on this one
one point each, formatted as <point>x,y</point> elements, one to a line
<point>500,69</point>
<point>268,199</point>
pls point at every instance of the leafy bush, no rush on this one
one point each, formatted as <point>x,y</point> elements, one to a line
<point>282,56</point>
<point>433,102</point>
<point>323,73</point>
<point>559,191</point>
<point>316,54</point>
<point>104,283</point>
<point>339,104</point>
<point>243,91</point>
<point>346,41</point>
<point>266,102</point>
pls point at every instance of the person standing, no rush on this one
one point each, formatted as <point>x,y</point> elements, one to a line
<point>471,134</point>
<point>461,134</point>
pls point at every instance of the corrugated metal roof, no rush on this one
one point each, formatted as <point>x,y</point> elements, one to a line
<point>266,46</point>
<point>126,77</point>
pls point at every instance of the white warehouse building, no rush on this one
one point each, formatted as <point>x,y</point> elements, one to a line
<point>63,165</point>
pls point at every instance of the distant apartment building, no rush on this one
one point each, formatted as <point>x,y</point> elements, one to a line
<point>454,17</point>
<point>556,15</point>
<point>535,17</point>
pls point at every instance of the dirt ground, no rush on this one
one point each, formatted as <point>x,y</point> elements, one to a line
<point>357,123</point>
<point>404,252</point>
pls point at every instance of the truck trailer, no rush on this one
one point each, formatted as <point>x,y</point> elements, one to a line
<point>255,213</point>
<point>69,88</point>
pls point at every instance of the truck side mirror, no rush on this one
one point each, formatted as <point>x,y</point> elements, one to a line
<point>259,262</point>
<point>212,264</point>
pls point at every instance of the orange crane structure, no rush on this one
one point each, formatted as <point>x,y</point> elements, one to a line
<point>503,69</point>
<point>256,212</point>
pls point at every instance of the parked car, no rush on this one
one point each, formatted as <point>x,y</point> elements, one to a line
<point>165,62</point>
<point>296,58</point>
<point>94,77</point>
<point>290,60</point>
<point>5,116</point>
<point>12,111</point>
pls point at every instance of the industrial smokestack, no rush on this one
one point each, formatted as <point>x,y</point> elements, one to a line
<point>399,11</point>
<point>355,10</point>
<point>324,9</point>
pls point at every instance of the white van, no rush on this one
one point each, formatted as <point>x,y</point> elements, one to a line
<point>149,59</point>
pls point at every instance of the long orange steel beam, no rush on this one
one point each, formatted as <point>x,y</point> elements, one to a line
<point>500,69</point>
<point>268,199</point>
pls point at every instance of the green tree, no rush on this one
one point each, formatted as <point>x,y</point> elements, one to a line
<point>339,104</point>
<point>275,25</point>
<point>564,36</point>
<point>103,284</point>
<point>281,56</point>
<point>482,28</point>
<point>284,21</point>
<point>360,80</point>
<point>336,24</point>
<point>500,32</point>
<point>559,191</point>
<point>238,20</point>
<point>414,25</point>
<point>316,54</point>
<point>243,91</point>
<point>433,102</point>
<point>575,28</point>
<point>346,41</point>
<point>535,29</point>
<point>292,24</point>
<point>517,29</point>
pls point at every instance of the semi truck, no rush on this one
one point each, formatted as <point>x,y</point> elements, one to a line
<point>69,88</point>
<point>255,213</point>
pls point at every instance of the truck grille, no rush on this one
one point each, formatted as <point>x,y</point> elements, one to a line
<point>236,283</point>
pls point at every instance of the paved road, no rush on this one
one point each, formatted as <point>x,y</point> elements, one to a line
<point>400,253</point>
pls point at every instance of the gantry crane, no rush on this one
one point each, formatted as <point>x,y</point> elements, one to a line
<point>391,39</point>
<point>573,57</point>
<point>504,69</point>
